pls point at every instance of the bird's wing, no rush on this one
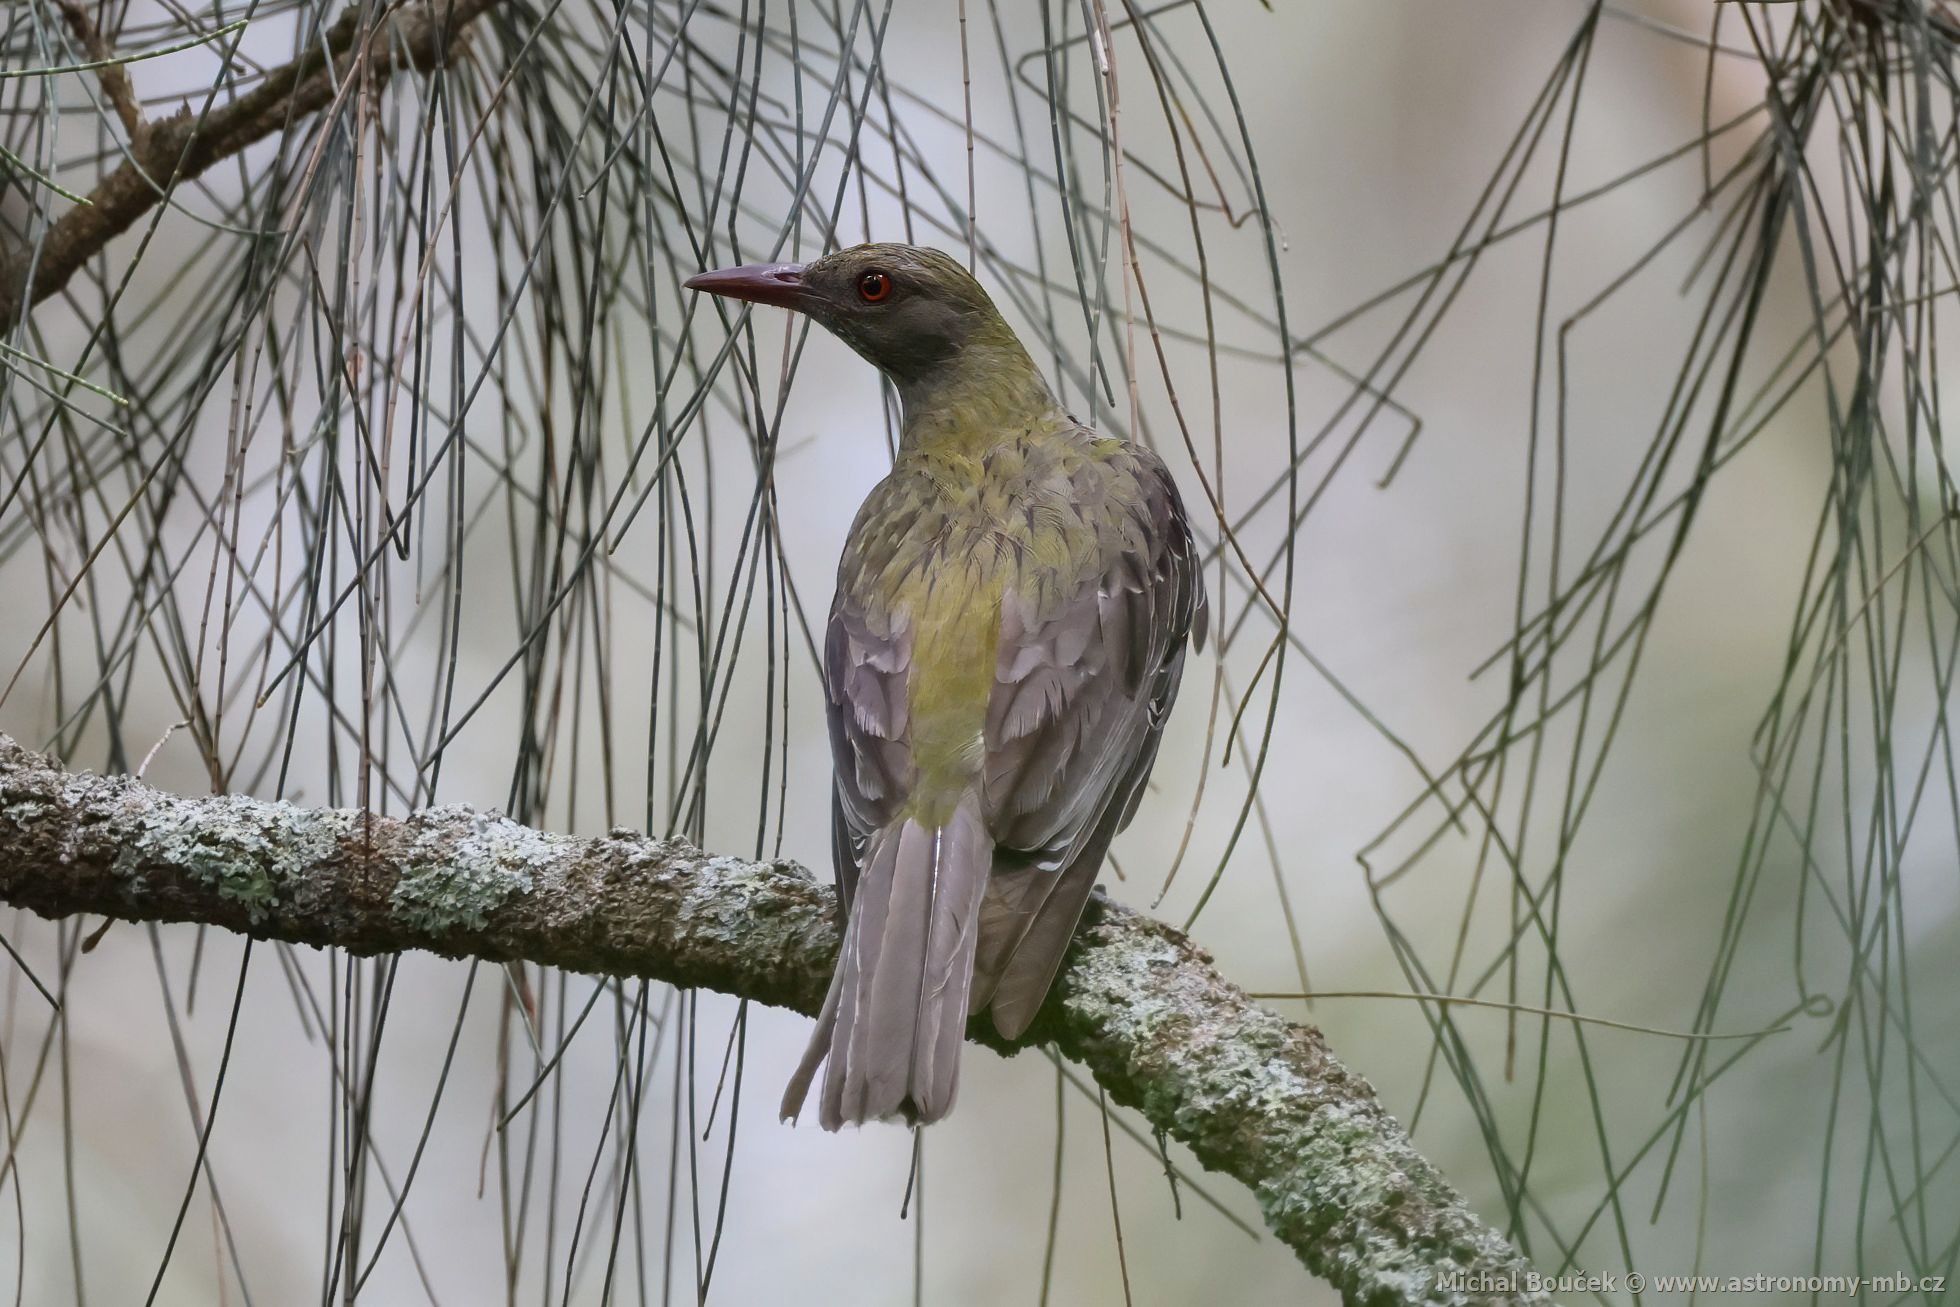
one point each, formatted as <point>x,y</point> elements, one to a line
<point>1087,669</point>
<point>867,655</point>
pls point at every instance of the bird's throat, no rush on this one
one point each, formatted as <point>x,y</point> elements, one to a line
<point>991,392</point>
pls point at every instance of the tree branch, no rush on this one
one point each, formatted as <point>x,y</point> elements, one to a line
<point>423,33</point>
<point>1255,1096</point>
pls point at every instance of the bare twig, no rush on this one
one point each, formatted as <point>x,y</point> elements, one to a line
<point>114,76</point>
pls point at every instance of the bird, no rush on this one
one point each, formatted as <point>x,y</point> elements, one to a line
<point>1013,607</point>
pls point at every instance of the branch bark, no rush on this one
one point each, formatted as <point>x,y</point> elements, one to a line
<point>1138,1004</point>
<point>424,34</point>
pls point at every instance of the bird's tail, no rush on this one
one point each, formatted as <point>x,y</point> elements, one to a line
<point>895,1018</point>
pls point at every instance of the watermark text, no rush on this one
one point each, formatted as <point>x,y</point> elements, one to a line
<point>1532,1282</point>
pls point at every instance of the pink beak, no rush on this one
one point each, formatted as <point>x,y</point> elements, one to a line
<point>780,284</point>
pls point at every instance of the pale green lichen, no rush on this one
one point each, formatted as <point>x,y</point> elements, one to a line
<point>456,881</point>
<point>249,851</point>
<point>1335,1177</point>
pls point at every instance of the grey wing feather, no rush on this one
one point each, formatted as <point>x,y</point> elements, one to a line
<point>1080,698</point>
<point>865,666</point>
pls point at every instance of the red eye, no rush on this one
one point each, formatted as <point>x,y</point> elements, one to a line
<point>874,286</point>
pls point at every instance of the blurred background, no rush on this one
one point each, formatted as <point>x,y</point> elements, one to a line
<point>1557,387</point>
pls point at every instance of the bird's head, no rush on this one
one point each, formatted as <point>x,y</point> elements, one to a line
<point>909,310</point>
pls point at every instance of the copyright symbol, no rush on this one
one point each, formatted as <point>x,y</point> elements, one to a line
<point>1635,1281</point>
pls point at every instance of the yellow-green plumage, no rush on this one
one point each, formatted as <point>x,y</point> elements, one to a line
<point>1007,635</point>
<point>942,539</point>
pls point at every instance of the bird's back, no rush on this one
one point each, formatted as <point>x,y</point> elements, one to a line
<point>1034,596</point>
<point>943,543</point>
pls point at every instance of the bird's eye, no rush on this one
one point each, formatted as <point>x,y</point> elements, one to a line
<point>874,287</point>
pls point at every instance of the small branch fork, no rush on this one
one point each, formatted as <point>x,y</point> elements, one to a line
<point>113,76</point>
<point>1138,1004</point>
<point>164,154</point>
